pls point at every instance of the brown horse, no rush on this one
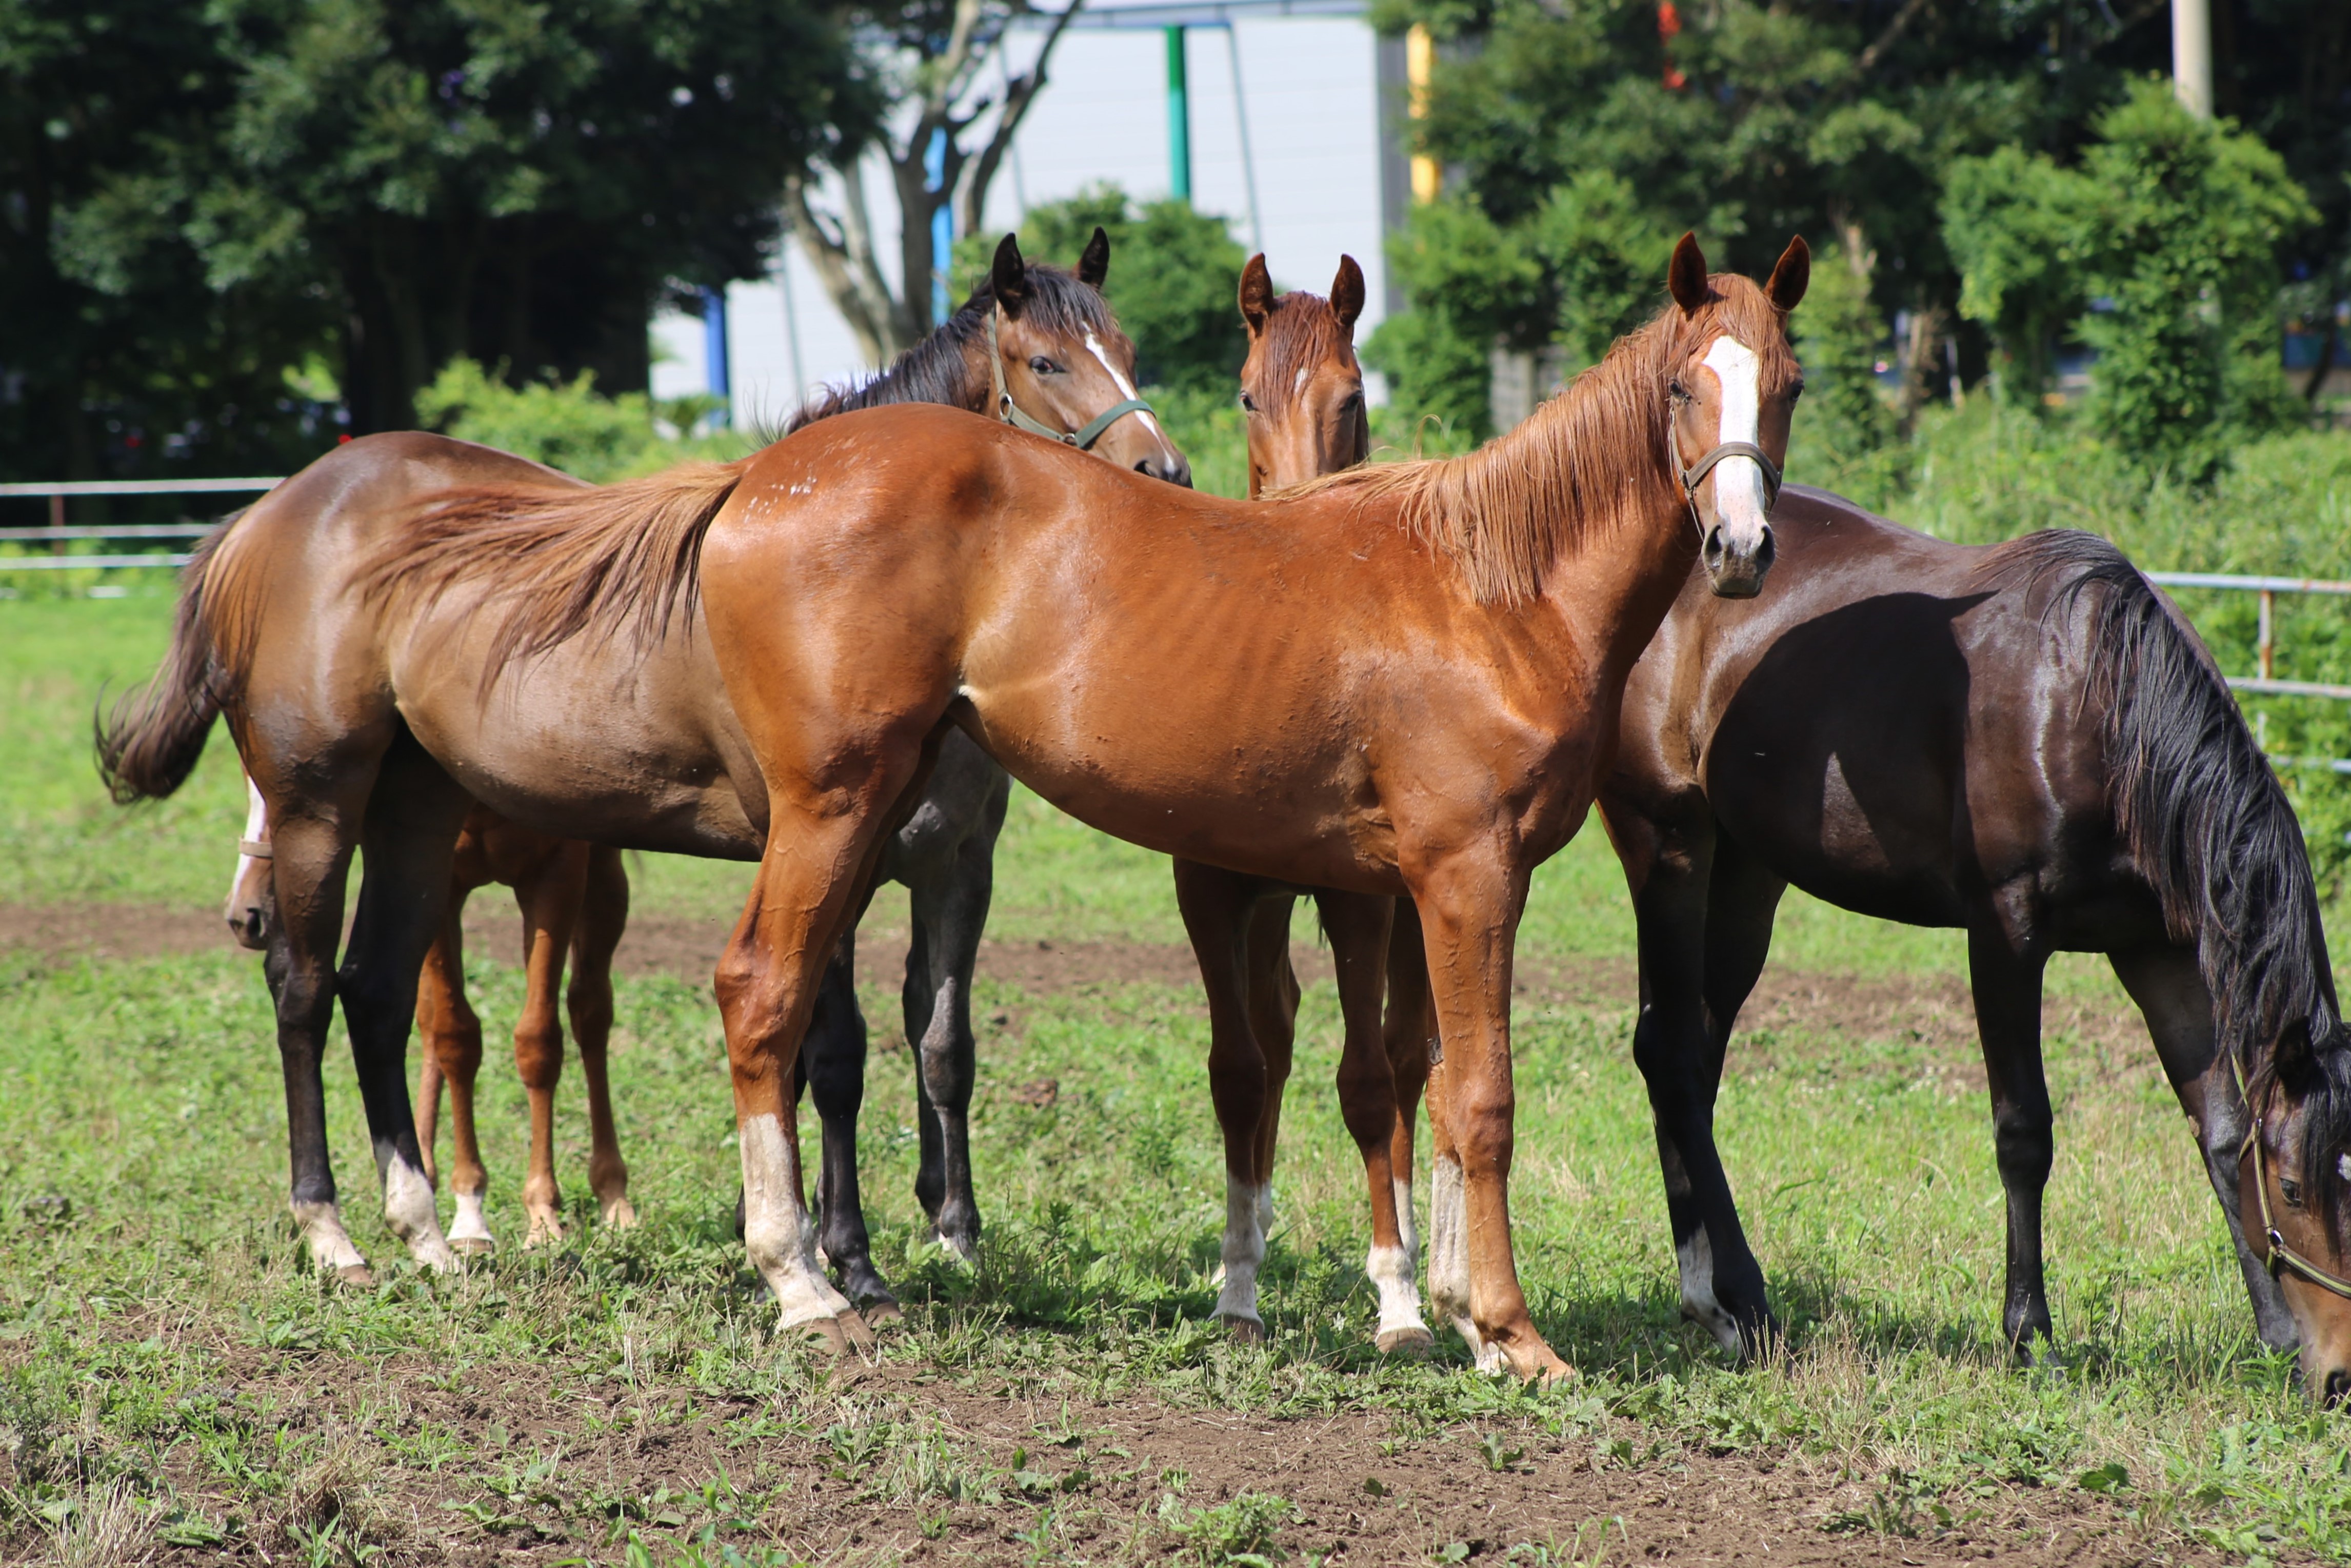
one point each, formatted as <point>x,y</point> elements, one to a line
<point>372,717</point>
<point>2027,742</point>
<point>1403,683</point>
<point>574,900</point>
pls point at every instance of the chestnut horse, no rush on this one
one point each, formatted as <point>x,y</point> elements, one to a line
<point>375,718</point>
<point>1404,681</point>
<point>2027,742</point>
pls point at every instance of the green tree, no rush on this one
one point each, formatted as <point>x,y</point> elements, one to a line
<point>1174,277</point>
<point>494,178</point>
<point>2010,222</point>
<point>1838,338</point>
<point>1474,283</point>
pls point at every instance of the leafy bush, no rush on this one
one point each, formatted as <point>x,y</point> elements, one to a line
<point>568,425</point>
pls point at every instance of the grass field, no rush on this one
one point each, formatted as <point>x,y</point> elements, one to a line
<point>174,1382</point>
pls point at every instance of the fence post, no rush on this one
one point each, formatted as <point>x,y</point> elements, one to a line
<point>2269,604</point>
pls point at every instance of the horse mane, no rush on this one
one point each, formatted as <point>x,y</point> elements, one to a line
<point>2208,824</point>
<point>939,368</point>
<point>627,558</point>
<point>1587,461</point>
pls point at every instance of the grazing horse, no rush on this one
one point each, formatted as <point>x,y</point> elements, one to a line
<point>574,900</point>
<point>1403,682</point>
<point>2027,742</point>
<point>375,718</point>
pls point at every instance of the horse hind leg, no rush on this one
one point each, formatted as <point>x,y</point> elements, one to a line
<point>603,917</point>
<point>832,1068</point>
<point>410,835</point>
<point>1216,906</point>
<point>2007,986</point>
<point>549,900</point>
<point>1358,928</point>
<point>451,1036</point>
<point>1273,1018</point>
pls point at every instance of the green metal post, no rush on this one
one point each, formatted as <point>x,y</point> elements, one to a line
<point>1179,119</point>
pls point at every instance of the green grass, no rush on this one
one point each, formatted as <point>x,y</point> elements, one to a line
<point>143,1246</point>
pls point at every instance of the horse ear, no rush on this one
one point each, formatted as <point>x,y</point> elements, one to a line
<point>1094,264</point>
<point>1009,277</point>
<point>1685,278</point>
<point>1257,294</point>
<point>1347,294</point>
<point>1789,277</point>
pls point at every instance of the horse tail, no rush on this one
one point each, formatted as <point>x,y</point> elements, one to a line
<point>150,741</point>
<point>2208,825</point>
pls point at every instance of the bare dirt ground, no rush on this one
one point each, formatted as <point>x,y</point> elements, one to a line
<point>1361,1496</point>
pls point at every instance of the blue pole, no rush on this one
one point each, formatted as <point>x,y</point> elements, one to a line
<point>714,352</point>
<point>935,169</point>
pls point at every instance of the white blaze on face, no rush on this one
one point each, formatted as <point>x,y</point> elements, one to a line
<point>1739,498</point>
<point>1125,388</point>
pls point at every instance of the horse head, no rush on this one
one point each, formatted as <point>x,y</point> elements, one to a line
<point>2293,1177</point>
<point>1063,368</point>
<point>1301,387</point>
<point>1733,395</point>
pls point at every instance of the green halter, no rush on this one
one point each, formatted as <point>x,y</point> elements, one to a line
<point>2281,1258</point>
<point>1012,413</point>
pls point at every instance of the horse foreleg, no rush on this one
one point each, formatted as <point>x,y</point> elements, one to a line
<point>2171,995</point>
<point>1273,1021</point>
<point>603,917</point>
<point>451,1038</point>
<point>410,837</point>
<point>1217,905</point>
<point>1358,928</point>
<point>1469,905</point>
<point>832,1066</point>
<point>1409,1034</point>
<point>549,901</point>
<point>2007,986</point>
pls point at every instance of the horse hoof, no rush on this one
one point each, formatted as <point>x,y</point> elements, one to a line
<point>1415,1344</point>
<point>853,1324</point>
<point>825,1333</point>
<point>1244,1330</point>
<point>880,1310</point>
<point>357,1276</point>
<point>1544,1369</point>
<point>544,1232</point>
<point>438,1258</point>
<point>621,1214</point>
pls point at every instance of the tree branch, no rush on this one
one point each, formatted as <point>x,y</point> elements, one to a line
<point>971,198</point>
<point>1867,60</point>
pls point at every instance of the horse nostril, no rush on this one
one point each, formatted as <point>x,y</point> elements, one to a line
<point>1712,549</point>
<point>2339,1384</point>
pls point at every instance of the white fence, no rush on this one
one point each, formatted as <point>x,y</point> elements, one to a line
<point>58,533</point>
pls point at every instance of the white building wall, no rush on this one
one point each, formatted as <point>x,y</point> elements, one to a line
<point>1310,86</point>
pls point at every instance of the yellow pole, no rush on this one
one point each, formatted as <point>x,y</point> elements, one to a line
<point>1419,53</point>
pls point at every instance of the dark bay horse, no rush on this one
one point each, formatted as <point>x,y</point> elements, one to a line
<point>2027,742</point>
<point>375,718</point>
<point>1406,681</point>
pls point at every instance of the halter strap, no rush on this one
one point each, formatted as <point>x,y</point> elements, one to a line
<point>1695,474</point>
<point>1012,413</point>
<point>256,849</point>
<point>2281,1258</point>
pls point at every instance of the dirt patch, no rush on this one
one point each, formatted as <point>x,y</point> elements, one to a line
<point>827,1475</point>
<point>1932,1010</point>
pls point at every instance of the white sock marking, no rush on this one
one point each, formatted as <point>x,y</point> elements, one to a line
<point>1448,1259</point>
<point>322,1232</point>
<point>1390,1269</point>
<point>1409,1232</point>
<point>470,1223</point>
<point>1739,497</point>
<point>1696,1258</point>
<point>777,1230</point>
<point>408,1209</point>
<point>1244,1250</point>
<point>256,830</point>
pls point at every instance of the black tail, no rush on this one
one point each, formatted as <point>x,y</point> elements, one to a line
<point>150,741</point>
<point>2210,827</point>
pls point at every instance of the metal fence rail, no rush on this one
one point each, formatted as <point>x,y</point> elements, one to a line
<point>59,532</point>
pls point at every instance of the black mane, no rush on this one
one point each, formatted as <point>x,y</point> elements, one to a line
<point>938,368</point>
<point>2210,827</point>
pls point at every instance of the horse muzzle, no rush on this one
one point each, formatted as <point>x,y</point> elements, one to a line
<point>1735,568</point>
<point>248,922</point>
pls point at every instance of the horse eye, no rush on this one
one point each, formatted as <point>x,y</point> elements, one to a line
<point>2292,1191</point>
<point>1043,366</point>
<point>1248,403</point>
<point>1677,391</point>
<point>1795,391</point>
<point>1351,402</point>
